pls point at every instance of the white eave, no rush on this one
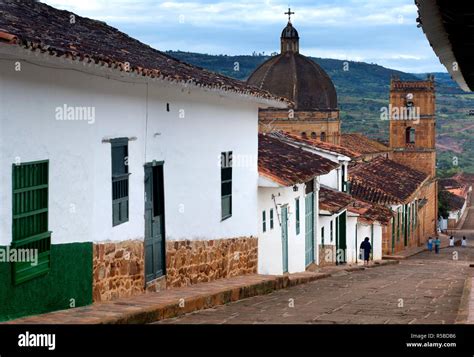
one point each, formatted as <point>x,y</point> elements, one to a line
<point>434,30</point>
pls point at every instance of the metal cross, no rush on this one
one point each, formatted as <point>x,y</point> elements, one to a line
<point>289,13</point>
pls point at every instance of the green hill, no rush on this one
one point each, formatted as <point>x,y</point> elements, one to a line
<point>363,89</point>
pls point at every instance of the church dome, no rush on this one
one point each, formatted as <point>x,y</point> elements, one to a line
<point>296,77</point>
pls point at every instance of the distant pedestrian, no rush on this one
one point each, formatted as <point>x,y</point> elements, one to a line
<point>430,244</point>
<point>366,248</point>
<point>437,244</point>
<point>451,241</point>
<point>464,242</point>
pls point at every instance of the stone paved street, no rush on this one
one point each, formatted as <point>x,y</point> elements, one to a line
<point>426,288</point>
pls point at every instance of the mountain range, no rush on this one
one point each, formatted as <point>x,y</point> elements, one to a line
<point>363,89</point>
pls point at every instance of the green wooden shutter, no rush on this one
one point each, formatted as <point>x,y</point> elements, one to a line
<point>271,218</point>
<point>30,219</point>
<point>264,221</point>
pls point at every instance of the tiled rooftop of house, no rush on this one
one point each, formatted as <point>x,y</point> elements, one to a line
<point>384,181</point>
<point>453,201</point>
<point>42,28</point>
<point>322,145</point>
<point>289,165</point>
<point>362,144</point>
<point>333,201</point>
<point>371,212</point>
<point>451,182</point>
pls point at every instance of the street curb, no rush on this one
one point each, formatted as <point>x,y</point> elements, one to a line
<point>205,301</point>
<point>463,312</point>
<point>144,311</point>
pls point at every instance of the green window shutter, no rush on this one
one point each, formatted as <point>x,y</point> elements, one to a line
<point>264,222</point>
<point>331,231</point>
<point>322,236</point>
<point>30,235</point>
<point>120,181</point>
<point>297,203</point>
<point>271,218</point>
<point>226,185</point>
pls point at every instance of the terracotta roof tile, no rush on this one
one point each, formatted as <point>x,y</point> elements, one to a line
<point>289,165</point>
<point>384,181</point>
<point>454,201</point>
<point>362,144</point>
<point>371,212</point>
<point>332,200</point>
<point>42,28</point>
<point>322,145</point>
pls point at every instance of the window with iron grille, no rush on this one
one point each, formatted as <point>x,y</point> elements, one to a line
<point>30,235</point>
<point>120,178</point>
<point>226,185</point>
<point>271,218</point>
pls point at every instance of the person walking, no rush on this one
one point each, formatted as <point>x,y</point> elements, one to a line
<point>437,244</point>
<point>430,244</point>
<point>366,248</point>
<point>464,242</point>
<point>451,241</point>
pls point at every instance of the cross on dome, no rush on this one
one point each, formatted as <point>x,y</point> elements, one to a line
<point>289,13</point>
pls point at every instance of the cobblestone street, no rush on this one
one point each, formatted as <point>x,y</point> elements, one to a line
<point>426,288</point>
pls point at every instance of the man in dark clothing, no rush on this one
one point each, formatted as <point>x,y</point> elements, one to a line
<point>365,248</point>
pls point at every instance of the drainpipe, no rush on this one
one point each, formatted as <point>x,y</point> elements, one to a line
<point>372,239</point>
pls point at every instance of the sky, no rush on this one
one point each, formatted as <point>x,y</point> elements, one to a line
<point>375,31</point>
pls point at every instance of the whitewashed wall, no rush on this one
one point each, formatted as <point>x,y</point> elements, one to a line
<point>80,164</point>
<point>270,259</point>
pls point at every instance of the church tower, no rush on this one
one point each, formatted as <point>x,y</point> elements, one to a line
<point>413,124</point>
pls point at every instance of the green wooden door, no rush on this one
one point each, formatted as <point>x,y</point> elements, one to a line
<point>154,222</point>
<point>309,228</point>
<point>341,245</point>
<point>284,237</point>
<point>30,218</point>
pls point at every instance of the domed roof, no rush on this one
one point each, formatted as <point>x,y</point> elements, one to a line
<point>298,78</point>
<point>289,32</point>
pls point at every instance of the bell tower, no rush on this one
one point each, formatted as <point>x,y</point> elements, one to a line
<point>413,124</point>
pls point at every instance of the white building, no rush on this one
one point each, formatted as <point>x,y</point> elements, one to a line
<point>288,201</point>
<point>127,169</point>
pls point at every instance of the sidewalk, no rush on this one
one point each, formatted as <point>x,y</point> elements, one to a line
<point>151,307</point>
<point>409,252</point>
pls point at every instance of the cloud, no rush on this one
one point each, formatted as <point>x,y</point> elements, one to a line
<point>381,30</point>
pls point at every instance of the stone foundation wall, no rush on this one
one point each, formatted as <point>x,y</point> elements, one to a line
<point>191,262</point>
<point>325,252</point>
<point>118,270</point>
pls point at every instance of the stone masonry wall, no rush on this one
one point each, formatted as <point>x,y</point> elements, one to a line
<point>191,262</point>
<point>118,270</point>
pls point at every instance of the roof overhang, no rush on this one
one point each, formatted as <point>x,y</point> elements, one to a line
<point>17,52</point>
<point>450,38</point>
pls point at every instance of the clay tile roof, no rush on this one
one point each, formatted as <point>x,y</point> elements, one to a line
<point>332,200</point>
<point>454,202</point>
<point>362,144</point>
<point>384,181</point>
<point>322,145</point>
<point>447,183</point>
<point>42,28</point>
<point>289,165</point>
<point>371,212</point>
